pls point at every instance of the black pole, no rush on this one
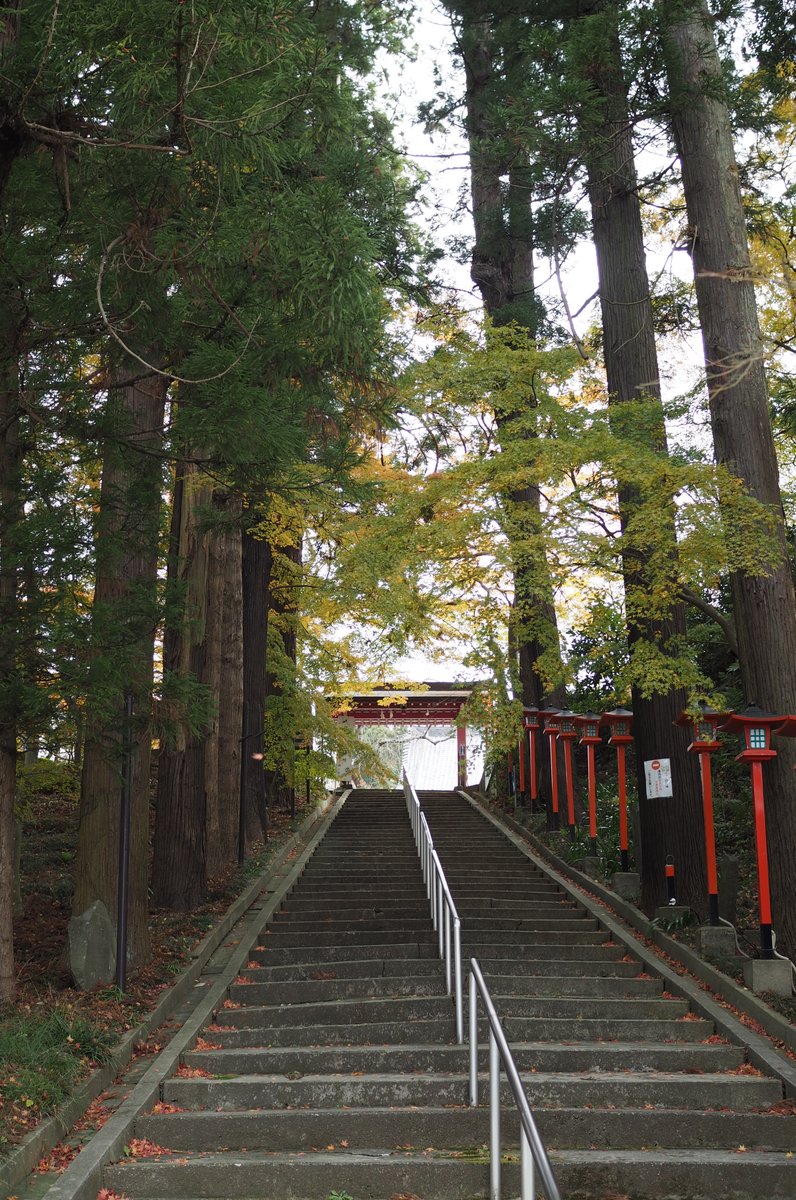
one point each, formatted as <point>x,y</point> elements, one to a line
<point>123,890</point>
<point>242,795</point>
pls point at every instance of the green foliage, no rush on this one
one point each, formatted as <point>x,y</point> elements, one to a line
<point>47,777</point>
<point>43,1057</point>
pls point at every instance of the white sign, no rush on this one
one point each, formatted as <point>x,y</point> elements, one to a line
<point>659,778</point>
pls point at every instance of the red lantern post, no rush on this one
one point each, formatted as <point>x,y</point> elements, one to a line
<point>619,721</point>
<point>567,732</point>
<point>532,725</point>
<point>704,724</point>
<point>754,728</point>
<point>550,730</point>
<point>589,727</point>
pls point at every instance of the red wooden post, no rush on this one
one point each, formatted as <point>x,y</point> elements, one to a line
<point>589,726</point>
<point>567,733</point>
<point>619,720</point>
<point>461,754</point>
<point>755,729</point>
<point>551,732</point>
<point>532,723</point>
<point>704,722</point>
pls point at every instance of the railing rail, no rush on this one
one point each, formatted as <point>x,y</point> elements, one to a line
<point>444,916</point>
<point>533,1155</point>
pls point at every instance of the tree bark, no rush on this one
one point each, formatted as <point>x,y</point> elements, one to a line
<point>11,517</point>
<point>256,574</point>
<point>765,610</point>
<point>502,269</point>
<point>124,620</point>
<point>280,678</point>
<point>230,693</point>
<point>183,801</point>
<point>668,826</point>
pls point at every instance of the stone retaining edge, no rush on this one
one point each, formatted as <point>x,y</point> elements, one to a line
<point>46,1136</point>
<point>758,1049</point>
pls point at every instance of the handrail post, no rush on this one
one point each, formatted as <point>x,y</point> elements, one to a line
<point>448,963</point>
<point>473,1006</point>
<point>494,1117</point>
<point>457,966</point>
<point>527,1180</point>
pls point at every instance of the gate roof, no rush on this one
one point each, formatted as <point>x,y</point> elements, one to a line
<point>423,704</point>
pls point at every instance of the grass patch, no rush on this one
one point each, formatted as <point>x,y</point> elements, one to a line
<point>42,1057</point>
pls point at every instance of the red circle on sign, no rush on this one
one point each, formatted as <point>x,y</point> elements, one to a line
<point>656,766</point>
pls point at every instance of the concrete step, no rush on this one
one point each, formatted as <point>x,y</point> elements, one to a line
<point>600,1090</point>
<point>296,923</point>
<point>534,1056</point>
<point>312,990</point>
<point>351,905</point>
<point>328,1012</point>
<point>287,938</point>
<point>507,924</point>
<point>241,1027</point>
<point>277,955</point>
<point>566,1128</point>
<point>550,985</point>
<point>379,1174</point>
<point>480,938</point>
<point>365,968</point>
<point>231,1029</point>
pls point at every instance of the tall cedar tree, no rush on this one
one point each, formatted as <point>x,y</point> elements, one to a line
<point>670,826</point>
<point>502,269</point>
<point>764,604</point>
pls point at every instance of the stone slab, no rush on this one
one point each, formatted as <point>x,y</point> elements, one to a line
<point>716,941</point>
<point>769,975</point>
<point>626,884</point>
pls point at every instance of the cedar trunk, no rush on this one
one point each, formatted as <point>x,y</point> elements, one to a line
<point>765,611</point>
<point>283,608</point>
<point>670,826</point>
<point>124,619</point>
<point>256,564</point>
<point>11,517</point>
<point>502,269</point>
<point>227,614</point>
<point>183,794</point>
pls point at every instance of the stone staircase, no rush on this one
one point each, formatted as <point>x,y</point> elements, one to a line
<point>333,1068</point>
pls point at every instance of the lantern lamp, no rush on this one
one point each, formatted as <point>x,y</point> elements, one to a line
<point>589,726</point>
<point>620,721</point>
<point>754,727</point>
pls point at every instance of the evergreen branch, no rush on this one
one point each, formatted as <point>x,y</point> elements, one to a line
<point>725,623</point>
<point>128,350</point>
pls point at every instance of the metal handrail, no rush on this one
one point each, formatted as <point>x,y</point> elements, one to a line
<point>444,916</point>
<point>532,1152</point>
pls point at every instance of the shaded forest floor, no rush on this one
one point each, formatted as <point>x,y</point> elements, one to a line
<point>55,1034</point>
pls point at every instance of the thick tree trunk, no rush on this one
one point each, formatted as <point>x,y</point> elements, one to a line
<point>765,612</point>
<point>124,622</point>
<point>280,676</point>
<point>502,269</point>
<point>230,693</point>
<point>672,826</point>
<point>10,522</point>
<point>181,824</point>
<point>256,574</point>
